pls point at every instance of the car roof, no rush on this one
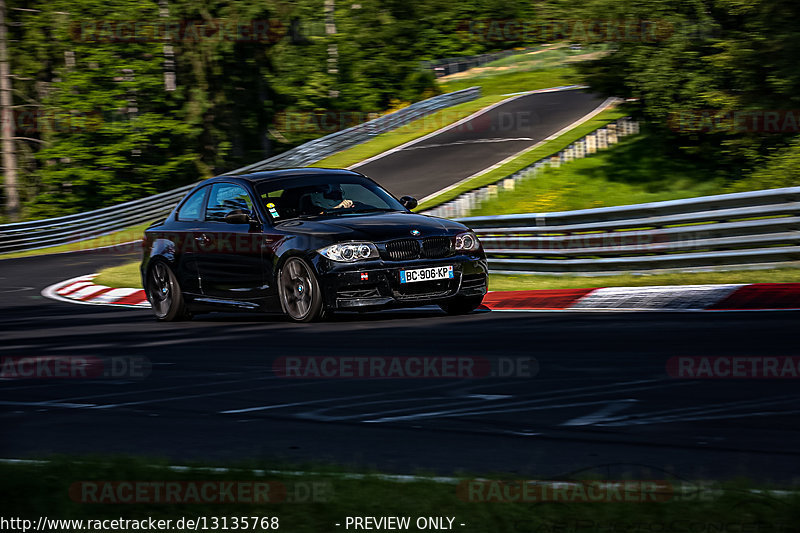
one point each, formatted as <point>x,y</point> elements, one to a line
<point>268,175</point>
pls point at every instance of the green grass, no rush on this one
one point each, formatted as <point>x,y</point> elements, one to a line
<point>636,170</point>
<point>498,282</point>
<point>32,491</point>
<point>121,276</point>
<point>118,237</point>
<point>516,81</point>
<point>509,73</point>
<point>127,275</point>
<point>494,85</point>
<point>528,158</point>
<point>409,132</point>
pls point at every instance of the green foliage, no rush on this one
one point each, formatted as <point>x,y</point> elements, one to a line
<point>131,139</point>
<point>639,169</point>
<point>781,170</point>
<point>715,57</point>
<point>102,127</point>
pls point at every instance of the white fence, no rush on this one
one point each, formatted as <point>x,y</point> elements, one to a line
<point>599,139</point>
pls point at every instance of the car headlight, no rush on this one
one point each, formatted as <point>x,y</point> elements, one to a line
<point>467,242</point>
<point>350,252</point>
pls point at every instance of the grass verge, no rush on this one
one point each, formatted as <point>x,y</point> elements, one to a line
<point>134,233</point>
<point>121,276</point>
<point>533,155</point>
<point>637,170</point>
<point>494,88</point>
<point>127,275</point>
<point>505,83</point>
<point>306,502</point>
<point>408,132</point>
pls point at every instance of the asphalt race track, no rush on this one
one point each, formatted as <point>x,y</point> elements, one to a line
<point>446,158</point>
<point>601,402</point>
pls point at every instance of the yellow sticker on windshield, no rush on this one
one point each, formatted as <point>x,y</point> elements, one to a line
<point>270,205</point>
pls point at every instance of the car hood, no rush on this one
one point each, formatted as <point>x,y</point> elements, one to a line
<point>373,226</point>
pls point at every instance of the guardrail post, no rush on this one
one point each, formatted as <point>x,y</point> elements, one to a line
<point>602,139</point>
<point>623,127</point>
<point>508,184</point>
<point>612,133</point>
<point>461,206</point>
<point>580,148</point>
<point>591,143</point>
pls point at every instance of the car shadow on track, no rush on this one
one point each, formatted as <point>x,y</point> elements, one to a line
<point>340,317</point>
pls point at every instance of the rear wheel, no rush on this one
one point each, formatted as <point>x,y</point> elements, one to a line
<point>164,294</point>
<point>461,305</point>
<point>300,293</point>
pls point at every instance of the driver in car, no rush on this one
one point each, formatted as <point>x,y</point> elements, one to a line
<point>330,196</point>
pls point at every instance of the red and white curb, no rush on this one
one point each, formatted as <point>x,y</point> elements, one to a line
<point>82,290</point>
<point>730,297</point>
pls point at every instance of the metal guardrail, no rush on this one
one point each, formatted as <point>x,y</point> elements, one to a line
<point>341,140</point>
<point>454,65</point>
<point>756,229</point>
<point>37,234</point>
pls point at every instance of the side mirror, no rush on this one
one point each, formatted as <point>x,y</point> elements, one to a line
<point>409,202</point>
<point>239,216</point>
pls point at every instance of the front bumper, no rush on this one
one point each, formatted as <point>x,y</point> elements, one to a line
<point>373,284</point>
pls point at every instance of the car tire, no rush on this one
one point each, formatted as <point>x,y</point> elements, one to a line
<point>461,305</point>
<point>164,294</point>
<point>299,291</point>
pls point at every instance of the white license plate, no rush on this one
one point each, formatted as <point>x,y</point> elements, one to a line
<point>426,274</point>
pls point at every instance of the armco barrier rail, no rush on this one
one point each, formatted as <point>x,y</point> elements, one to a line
<point>453,65</point>
<point>756,229</point>
<point>341,140</point>
<point>72,228</point>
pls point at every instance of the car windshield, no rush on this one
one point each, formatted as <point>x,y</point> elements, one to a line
<point>326,195</point>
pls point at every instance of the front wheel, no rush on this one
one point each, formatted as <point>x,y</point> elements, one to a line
<point>300,293</point>
<point>164,294</point>
<point>461,305</point>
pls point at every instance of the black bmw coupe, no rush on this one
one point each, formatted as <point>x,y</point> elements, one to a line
<point>305,242</point>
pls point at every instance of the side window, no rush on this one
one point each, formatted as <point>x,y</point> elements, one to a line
<point>224,198</point>
<point>192,209</point>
